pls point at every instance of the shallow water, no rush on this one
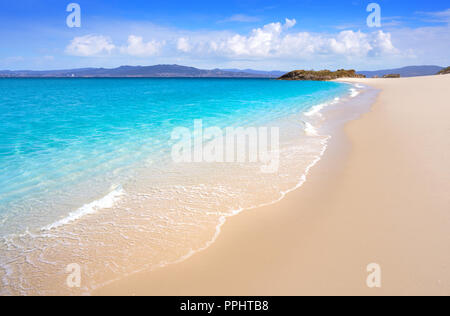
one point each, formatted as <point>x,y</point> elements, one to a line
<point>87,176</point>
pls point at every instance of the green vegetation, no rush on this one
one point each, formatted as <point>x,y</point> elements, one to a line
<point>444,71</point>
<point>321,75</point>
<point>392,76</point>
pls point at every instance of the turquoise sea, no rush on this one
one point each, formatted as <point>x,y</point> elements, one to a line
<point>86,171</point>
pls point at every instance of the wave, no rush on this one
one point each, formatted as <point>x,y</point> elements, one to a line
<point>107,201</point>
<point>355,91</point>
<point>310,130</point>
<point>315,110</point>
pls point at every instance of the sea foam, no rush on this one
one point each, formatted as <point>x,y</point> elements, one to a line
<point>310,130</point>
<point>315,110</point>
<point>106,202</point>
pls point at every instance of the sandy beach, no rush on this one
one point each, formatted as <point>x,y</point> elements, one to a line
<point>379,195</point>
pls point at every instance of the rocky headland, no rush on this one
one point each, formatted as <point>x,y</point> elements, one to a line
<point>322,75</point>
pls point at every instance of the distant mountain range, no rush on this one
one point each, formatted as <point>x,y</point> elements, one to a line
<point>273,73</point>
<point>158,71</point>
<point>177,71</point>
<point>411,71</point>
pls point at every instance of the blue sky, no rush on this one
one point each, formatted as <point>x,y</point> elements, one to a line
<point>260,34</point>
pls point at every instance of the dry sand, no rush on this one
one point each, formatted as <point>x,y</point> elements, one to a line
<point>379,195</point>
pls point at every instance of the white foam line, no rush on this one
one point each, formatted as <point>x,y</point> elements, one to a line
<point>356,90</point>
<point>223,218</point>
<point>315,110</point>
<point>222,221</point>
<point>107,201</point>
<point>283,195</point>
<point>310,130</point>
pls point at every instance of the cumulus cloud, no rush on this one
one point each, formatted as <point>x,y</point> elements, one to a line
<point>137,47</point>
<point>275,40</point>
<point>382,44</point>
<point>183,45</point>
<point>90,45</point>
<point>279,43</point>
<point>349,42</point>
<point>361,44</point>
<point>290,23</point>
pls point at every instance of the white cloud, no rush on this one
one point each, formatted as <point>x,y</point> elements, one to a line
<point>382,44</point>
<point>183,45</point>
<point>290,23</point>
<point>275,40</point>
<point>137,47</point>
<point>261,43</point>
<point>276,46</point>
<point>90,45</point>
<point>349,42</point>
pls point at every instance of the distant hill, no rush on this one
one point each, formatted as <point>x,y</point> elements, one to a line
<point>411,71</point>
<point>177,71</point>
<point>158,71</point>
<point>273,73</point>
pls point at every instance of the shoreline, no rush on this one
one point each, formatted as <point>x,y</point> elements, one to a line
<point>92,283</point>
<point>361,204</point>
<point>333,128</point>
<point>337,112</point>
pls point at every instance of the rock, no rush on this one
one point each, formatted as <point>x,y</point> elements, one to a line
<point>322,75</point>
